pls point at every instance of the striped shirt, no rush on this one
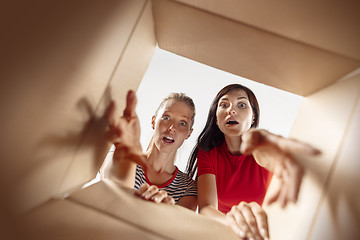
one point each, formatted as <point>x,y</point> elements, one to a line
<point>180,185</point>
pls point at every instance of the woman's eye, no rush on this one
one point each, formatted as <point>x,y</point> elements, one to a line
<point>183,123</point>
<point>223,105</point>
<point>165,117</point>
<point>242,105</point>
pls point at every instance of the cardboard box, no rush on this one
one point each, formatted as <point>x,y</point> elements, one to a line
<point>64,61</point>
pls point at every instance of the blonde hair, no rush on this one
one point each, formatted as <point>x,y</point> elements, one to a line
<point>182,97</point>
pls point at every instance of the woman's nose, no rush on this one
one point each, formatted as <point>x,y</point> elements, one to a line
<point>171,128</point>
<point>231,110</point>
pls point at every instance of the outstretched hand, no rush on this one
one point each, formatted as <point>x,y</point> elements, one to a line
<point>276,154</point>
<point>124,131</point>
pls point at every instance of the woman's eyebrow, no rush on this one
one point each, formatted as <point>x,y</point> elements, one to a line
<point>170,112</point>
<point>242,98</point>
<point>224,98</point>
<point>186,117</point>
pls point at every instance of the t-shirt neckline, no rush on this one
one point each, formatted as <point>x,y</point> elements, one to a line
<point>229,155</point>
<point>166,183</point>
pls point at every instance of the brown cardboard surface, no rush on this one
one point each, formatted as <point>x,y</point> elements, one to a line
<point>245,50</point>
<point>323,121</point>
<point>338,212</point>
<point>329,24</point>
<point>173,222</point>
<point>64,219</point>
<point>62,62</point>
<point>106,210</point>
<point>127,75</point>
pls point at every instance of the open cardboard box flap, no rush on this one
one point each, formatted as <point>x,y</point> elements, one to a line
<point>108,207</point>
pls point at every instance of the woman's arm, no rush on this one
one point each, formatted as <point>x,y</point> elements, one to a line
<point>207,197</point>
<point>120,168</point>
<point>189,202</point>
<point>247,220</point>
<point>276,154</point>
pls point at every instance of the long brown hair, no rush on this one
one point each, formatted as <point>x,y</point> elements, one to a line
<point>211,136</point>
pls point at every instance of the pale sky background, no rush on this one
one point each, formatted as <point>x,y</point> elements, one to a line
<point>169,72</point>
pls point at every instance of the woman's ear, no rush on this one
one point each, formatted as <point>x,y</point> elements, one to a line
<point>191,130</point>
<point>153,122</point>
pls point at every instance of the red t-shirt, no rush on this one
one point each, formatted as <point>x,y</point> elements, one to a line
<point>238,178</point>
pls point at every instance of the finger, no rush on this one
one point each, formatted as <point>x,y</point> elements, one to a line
<point>131,102</point>
<point>284,190</point>
<point>159,196</point>
<point>289,145</point>
<point>280,172</point>
<point>236,227</point>
<point>273,197</point>
<point>294,146</point>
<point>244,223</point>
<point>169,200</point>
<point>256,138</point>
<point>290,184</point>
<point>295,174</point>
<point>250,220</point>
<point>152,190</point>
<point>142,189</point>
<point>261,219</point>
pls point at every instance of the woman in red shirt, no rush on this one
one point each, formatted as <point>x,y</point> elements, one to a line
<point>235,163</point>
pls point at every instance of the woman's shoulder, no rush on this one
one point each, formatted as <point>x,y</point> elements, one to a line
<point>213,151</point>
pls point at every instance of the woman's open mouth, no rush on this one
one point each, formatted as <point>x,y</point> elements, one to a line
<point>231,122</point>
<point>168,139</point>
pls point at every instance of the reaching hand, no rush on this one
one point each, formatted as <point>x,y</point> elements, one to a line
<point>124,132</point>
<point>248,221</point>
<point>152,193</point>
<point>276,154</point>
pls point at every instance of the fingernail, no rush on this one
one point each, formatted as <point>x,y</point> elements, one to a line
<point>264,234</point>
<point>241,234</point>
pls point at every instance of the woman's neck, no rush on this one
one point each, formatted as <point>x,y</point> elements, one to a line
<point>159,161</point>
<point>233,144</point>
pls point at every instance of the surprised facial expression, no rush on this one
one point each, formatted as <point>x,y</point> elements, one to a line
<point>172,125</point>
<point>234,114</point>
